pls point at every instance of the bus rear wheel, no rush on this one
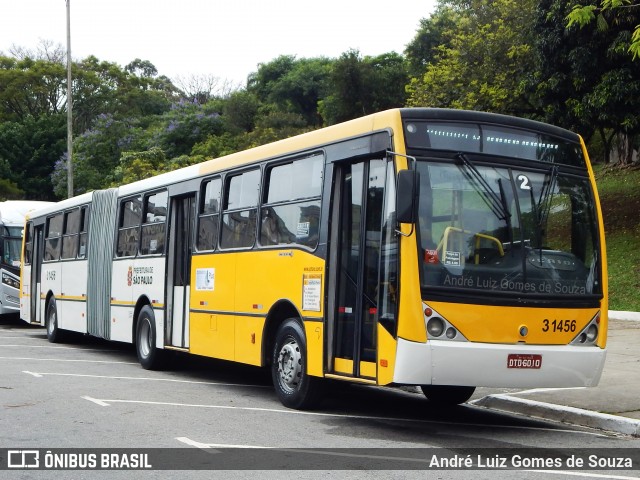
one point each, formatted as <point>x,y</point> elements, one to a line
<point>294,387</point>
<point>150,357</point>
<point>447,395</point>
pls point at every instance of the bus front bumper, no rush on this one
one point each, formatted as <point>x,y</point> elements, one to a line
<point>438,362</point>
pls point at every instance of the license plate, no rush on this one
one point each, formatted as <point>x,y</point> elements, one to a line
<point>522,360</point>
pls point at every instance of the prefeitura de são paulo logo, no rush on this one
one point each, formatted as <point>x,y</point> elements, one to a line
<point>130,276</point>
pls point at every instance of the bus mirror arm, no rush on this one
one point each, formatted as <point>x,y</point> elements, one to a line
<point>406,195</point>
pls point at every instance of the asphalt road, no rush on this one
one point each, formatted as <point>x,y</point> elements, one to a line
<point>88,393</point>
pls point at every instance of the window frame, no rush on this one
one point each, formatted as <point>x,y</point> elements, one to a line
<point>226,212</point>
<point>48,237</point>
<point>130,227</point>
<point>144,223</point>
<point>266,206</point>
<point>216,215</point>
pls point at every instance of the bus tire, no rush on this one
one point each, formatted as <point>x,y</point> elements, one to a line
<point>294,387</point>
<point>150,357</point>
<point>447,395</point>
<point>54,334</point>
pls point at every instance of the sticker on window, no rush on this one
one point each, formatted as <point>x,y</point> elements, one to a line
<point>205,278</point>
<point>302,230</point>
<point>452,258</point>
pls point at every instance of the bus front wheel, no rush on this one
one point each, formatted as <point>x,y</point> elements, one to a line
<point>447,395</point>
<point>54,335</point>
<point>294,387</point>
<point>150,357</point>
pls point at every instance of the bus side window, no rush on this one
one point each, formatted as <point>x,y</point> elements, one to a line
<point>291,212</point>
<point>129,227</point>
<point>52,242</point>
<point>209,215</point>
<point>28,244</point>
<point>153,230</point>
<point>84,222</point>
<point>241,205</point>
<point>70,236</point>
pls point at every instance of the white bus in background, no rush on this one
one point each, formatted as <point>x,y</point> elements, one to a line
<point>12,215</point>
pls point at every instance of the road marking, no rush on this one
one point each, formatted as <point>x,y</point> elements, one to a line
<point>68,360</point>
<point>196,382</point>
<point>96,401</point>
<point>584,474</point>
<point>108,402</point>
<point>78,349</point>
<point>193,443</point>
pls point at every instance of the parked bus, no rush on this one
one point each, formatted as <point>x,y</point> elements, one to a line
<point>440,248</point>
<point>12,215</point>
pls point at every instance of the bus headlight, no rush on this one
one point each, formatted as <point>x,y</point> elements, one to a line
<point>438,328</point>
<point>435,327</point>
<point>10,280</point>
<point>589,334</point>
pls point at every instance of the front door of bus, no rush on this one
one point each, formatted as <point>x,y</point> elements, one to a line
<point>179,270</point>
<point>356,248</point>
<point>36,271</point>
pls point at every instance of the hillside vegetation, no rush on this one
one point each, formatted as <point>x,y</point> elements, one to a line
<point>620,199</point>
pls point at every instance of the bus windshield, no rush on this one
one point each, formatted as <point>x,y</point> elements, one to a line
<point>506,229</point>
<point>11,245</point>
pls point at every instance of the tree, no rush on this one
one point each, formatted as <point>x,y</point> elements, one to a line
<point>97,153</point>
<point>30,88</point>
<point>360,86</point>
<point>204,88</point>
<point>290,85</point>
<point>586,80</point>
<point>28,151</point>
<point>609,11</point>
<point>434,32</point>
<point>483,64</point>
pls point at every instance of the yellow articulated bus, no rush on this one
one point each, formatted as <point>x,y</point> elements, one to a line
<point>442,248</point>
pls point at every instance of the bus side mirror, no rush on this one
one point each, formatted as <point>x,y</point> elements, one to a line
<point>406,193</point>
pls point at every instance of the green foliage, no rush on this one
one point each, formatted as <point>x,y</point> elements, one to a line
<point>28,151</point>
<point>583,15</point>
<point>292,86</point>
<point>433,33</point>
<point>30,88</point>
<point>485,60</point>
<point>97,153</point>
<point>135,166</point>
<point>185,125</point>
<point>360,86</point>
<point>575,91</point>
<point>620,199</point>
<point>9,190</point>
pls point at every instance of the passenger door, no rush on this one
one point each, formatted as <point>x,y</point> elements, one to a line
<point>181,226</point>
<point>357,282</point>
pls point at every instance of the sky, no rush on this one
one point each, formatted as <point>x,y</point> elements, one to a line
<point>225,39</point>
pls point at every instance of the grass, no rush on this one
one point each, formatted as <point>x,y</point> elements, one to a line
<point>619,191</point>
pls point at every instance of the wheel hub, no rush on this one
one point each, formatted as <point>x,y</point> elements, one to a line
<point>290,365</point>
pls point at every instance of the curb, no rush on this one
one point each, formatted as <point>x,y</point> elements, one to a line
<point>558,413</point>
<point>629,316</point>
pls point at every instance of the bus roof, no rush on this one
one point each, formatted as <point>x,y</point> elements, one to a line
<point>13,212</point>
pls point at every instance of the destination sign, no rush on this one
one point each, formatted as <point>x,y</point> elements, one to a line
<point>492,140</point>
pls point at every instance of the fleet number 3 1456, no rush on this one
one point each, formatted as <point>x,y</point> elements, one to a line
<point>558,325</point>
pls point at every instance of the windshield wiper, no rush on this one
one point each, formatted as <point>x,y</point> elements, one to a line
<point>546,195</point>
<point>497,204</point>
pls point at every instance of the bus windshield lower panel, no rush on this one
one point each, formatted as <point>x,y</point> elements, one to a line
<point>507,231</point>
